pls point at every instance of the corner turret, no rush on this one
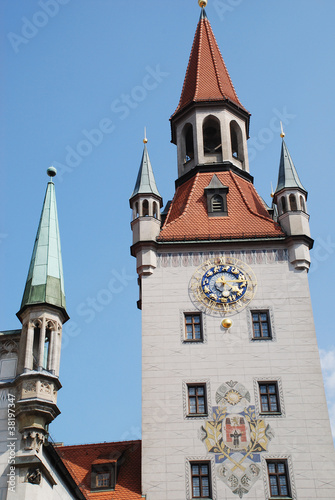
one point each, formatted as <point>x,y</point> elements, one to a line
<point>145,203</point>
<point>290,197</point>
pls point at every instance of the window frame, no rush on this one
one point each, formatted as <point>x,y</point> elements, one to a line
<point>196,385</point>
<point>259,312</point>
<point>269,394</point>
<point>277,475</point>
<point>208,476</point>
<point>193,315</point>
<point>103,469</point>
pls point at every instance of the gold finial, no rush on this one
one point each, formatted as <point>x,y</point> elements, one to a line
<point>145,140</point>
<point>282,135</point>
<point>272,193</point>
<point>202,3</point>
<point>226,323</point>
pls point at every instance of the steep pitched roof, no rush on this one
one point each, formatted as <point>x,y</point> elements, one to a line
<point>188,218</point>
<point>288,176</point>
<point>145,183</point>
<point>45,281</point>
<point>79,460</point>
<point>207,78</point>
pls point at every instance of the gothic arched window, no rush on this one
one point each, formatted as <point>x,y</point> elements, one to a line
<point>188,142</point>
<point>236,141</point>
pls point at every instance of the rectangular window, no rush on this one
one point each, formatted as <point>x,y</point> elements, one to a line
<point>268,394</point>
<point>201,484</point>
<point>193,327</point>
<point>278,479</point>
<point>103,477</point>
<point>197,404</point>
<point>261,325</point>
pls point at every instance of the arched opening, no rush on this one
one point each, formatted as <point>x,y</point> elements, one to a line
<point>188,142</point>
<point>36,345</point>
<point>212,136</point>
<point>217,203</point>
<point>46,348</point>
<point>155,210</point>
<point>293,203</point>
<point>145,208</point>
<point>283,204</point>
<point>136,210</point>
<point>302,204</point>
<point>236,138</point>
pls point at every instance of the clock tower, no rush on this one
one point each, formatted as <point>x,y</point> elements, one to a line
<point>233,404</point>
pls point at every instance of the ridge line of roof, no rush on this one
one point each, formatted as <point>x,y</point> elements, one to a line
<point>213,58</point>
<point>100,444</point>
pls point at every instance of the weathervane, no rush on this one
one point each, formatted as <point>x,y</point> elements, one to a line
<point>282,134</point>
<point>145,140</point>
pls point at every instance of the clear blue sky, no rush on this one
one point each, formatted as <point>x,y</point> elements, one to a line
<point>69,67</point>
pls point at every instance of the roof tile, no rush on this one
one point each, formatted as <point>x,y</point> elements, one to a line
<point>188,217</point>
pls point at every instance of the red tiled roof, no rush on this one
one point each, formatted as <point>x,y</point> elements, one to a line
<point>188,217</point>
<point>207,78</point>
<point>79,459</point>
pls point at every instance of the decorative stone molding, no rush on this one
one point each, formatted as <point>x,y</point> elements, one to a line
<point>9,347</point>
<point>34,476</point>
<point>32,439</point>
<point>183,259</point>
<point>37,389</point>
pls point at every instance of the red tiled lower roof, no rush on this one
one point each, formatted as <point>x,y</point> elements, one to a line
<point>188,217</point>
<point>79,460</point>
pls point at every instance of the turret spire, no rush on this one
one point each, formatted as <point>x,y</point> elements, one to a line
<point>45,281</point>
<point>288,176</point>
<point>145,183</point>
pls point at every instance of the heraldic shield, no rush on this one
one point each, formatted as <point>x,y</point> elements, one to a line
<point>236,437</point>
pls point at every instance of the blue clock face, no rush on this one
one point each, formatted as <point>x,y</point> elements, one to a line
<point>224,284</point>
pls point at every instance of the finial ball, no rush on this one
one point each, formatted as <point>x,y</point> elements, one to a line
<point>202,3</point>
<point>145,140</point>
<point>51,172</point>
<point>226,323</point>
<point>282,135</point>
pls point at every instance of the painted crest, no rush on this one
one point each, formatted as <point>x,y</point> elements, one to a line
<point>236,437</point>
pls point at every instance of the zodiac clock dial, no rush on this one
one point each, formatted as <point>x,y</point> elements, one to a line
<point>222,285</point>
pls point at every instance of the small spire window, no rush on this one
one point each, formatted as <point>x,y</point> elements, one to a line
<point>212,136</point>
<point>283,204</point>
<point>188,142</point>
<point>302,204</point>
<point>145,208</point>
<point>236,141</point>
<point>293,203</point>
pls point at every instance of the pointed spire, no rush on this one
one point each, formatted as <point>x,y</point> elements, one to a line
<point>207,78</point>
<point>45,281</point>
<point>288,176</point>
<point>145,183</point>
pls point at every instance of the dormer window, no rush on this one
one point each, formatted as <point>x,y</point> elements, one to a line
<point>103,476</point>
<point>217,203</point>
<point>216,194</point>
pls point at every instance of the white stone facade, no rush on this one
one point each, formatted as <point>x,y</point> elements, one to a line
<point>300,434</point>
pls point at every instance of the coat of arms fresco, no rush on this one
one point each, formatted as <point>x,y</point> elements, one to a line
<point>236,437</point>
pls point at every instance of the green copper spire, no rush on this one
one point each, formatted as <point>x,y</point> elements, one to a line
<point>288,176</point>
<point>45,282</point>
<point>145,183</point>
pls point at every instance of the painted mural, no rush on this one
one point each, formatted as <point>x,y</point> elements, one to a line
<point>236,437</point>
